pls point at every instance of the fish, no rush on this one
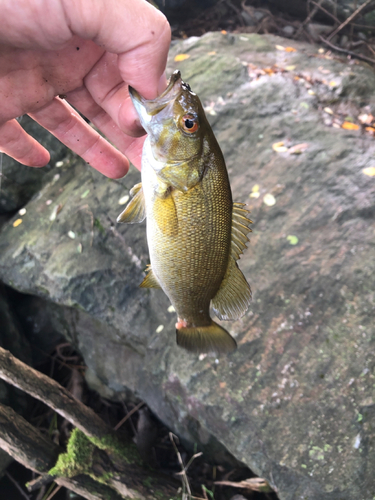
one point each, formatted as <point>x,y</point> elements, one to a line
<point>195,232</point>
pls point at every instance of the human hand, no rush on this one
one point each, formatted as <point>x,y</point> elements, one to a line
<point>87,51</point>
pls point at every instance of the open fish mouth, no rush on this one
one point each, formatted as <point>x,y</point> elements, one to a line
<point>154,106</point>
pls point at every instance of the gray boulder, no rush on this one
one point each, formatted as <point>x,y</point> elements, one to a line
<point>296,401</point>
<point>18,182</point>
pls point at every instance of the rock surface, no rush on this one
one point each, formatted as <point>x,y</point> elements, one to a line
<point>296,401</point>
<point>18,182</point>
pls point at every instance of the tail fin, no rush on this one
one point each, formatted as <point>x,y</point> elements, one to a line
<point>202,339</point>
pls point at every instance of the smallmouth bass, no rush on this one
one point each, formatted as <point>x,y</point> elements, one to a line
<point>195,232</point>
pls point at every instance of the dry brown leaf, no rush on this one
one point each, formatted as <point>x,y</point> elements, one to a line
<point>290,49</point>
<point>370,171</point>
<point>371,130</point>
<point>350,126</point>
<point>298,148</point>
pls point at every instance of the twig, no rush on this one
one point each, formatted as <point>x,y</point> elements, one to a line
<point>128,415</point>
<point>308,19</point>
<point>349,19</point>
<point>326,11</point>
<point>40,481</point>
<point>54,493</point>
<point>23,493</point>
<point>185,480</point>
<point>348,52</point>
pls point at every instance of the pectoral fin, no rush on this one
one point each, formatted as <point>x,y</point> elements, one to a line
<point>234,295</point>
<point>150,280</point>
<point>135,210</point>
<point>165,214</point>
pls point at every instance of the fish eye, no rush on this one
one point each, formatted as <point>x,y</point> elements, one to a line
<point>189,123</point>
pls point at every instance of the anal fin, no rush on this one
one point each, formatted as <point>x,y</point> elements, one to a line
<point>150,280</point>
<point>135,210</point>
<point>234,295</point>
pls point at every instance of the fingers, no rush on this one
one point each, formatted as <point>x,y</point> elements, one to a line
<point>134,29</point>
<point>67,125</point>
<point>129,146</point>
<point>107,88</point>
<point>18,144</point>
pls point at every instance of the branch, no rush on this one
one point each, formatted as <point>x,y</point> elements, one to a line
<point>122,467</point>
<point>41,387</point>
<point>349,19</point>
<point>348,52</point>
<point>32,449</point>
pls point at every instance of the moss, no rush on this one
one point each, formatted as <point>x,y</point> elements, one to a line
<point>78,457</point>
<point>109,443</point>
<point>98,225</point>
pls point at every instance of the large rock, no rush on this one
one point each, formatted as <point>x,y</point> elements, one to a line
<point>296,401</point>
<point>18,182</point>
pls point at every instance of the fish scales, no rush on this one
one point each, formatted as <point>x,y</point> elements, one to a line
<point>204,225</point>
<point>195,232</point>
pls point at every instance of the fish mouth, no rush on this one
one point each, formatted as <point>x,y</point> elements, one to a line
<point>147,108</point>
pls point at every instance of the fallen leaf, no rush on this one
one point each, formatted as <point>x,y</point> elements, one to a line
<point>367,171</point>
<point>293,240</point>
<point>17,222</point>
<point>328,110</point>
<point>279,47</point>
<point>290,49</point>
<point>255,191</point>
<point>159,329</point>
<point>56,210</point>
<point>298,148</point>
<point>350,126</point>
<point>83,195</point>
<point>333,84</point>
<point>321,51</point>
<point>22,211</point>
<point>290,68</point>
<point>181,57</point>
<point>279,147</point>
<point>269,200</point>
<point>371,130</point>
<point>223,32</point>
<point>212,53</point>
<point>72,235</point>
<point>124,199</point>
<point>365,119</point>
<point>311,92</point>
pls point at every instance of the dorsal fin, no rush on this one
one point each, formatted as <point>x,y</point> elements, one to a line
<point>240,229</point>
